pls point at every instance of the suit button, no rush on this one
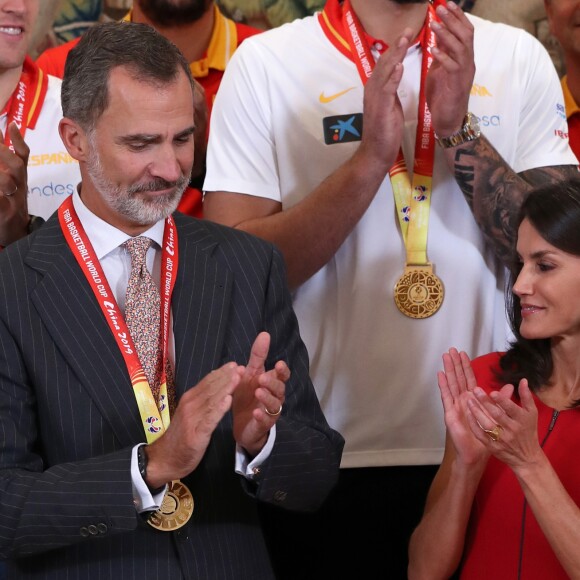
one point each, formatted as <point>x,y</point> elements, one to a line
<point>93,530</point>
<point>102,528</point>
<point>280,496</point>
<point>85,532</point>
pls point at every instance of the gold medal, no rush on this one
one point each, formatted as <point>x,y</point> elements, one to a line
<point>176,509</point>
<point>419,293</point>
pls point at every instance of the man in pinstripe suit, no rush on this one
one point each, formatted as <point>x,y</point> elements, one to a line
<point>76,486</point>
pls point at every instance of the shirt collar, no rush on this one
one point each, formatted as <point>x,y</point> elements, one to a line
<point>571,107</point>
<point>103,236</point>
<point>223,43</point>
<point>331,21</point>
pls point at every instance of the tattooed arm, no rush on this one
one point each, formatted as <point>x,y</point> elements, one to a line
<point>495,192</point>
<point>492,189</point>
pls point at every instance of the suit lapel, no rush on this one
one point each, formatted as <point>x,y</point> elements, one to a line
<point>65,303</point>
<point>200,305</point>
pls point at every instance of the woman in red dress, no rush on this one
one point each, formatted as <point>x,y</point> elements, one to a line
<point>505,501</point>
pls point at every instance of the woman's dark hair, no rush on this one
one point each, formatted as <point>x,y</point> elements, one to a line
<point>554,212</point>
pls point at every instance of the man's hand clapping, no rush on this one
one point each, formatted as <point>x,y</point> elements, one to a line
<point>255,397</point>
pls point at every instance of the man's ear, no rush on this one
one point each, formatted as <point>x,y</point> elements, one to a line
<point>75,139</point>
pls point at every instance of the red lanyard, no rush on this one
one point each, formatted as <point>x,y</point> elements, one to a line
<point>26,102</point>
<point>85,256</point>
<point>365,63</point>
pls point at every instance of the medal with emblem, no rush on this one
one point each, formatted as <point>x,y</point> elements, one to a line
<point>419,293</point>
<point>175,510</point>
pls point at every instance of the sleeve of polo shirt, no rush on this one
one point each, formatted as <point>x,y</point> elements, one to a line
<point>241,153</point>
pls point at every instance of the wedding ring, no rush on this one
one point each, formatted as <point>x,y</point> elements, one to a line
<point>273,414</point>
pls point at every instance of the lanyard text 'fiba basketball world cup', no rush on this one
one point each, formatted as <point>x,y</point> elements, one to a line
<point>177,505</point>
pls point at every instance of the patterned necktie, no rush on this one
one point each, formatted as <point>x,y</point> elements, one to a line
<point>142,312</point>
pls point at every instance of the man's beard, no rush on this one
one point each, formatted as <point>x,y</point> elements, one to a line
<point>125,200</point>
<point>174,12</point>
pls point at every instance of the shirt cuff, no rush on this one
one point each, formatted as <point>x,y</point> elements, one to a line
<point>249,469</point>
<point>142,498</point>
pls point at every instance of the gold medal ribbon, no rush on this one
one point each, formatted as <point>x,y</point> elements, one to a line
<point>154,415</point>
<point>412,200</point>
<point>418,293</point>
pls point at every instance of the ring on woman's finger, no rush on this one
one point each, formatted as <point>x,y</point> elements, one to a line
<point>494,434</point>
<point>12,193</point>
<point>273,414</point>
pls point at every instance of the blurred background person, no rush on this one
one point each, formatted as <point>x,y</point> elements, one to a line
<point>43,36</point>
<point>36,172</point>
<point>207,39</point>
<point>527,14</point>
<point>564,19</point>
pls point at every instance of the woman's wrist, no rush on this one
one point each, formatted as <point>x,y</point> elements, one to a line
<point>531,468</point>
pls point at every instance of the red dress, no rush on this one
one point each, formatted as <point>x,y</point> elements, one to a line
<point>503,534</point>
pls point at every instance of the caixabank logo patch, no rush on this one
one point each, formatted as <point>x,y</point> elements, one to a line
<point>342,128</point>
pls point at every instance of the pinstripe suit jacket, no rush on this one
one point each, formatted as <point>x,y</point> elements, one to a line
<point>68,417</point>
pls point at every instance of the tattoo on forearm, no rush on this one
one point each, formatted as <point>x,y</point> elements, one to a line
<point>465,174</point>
<point>545,175</point>
<point>494,192</point>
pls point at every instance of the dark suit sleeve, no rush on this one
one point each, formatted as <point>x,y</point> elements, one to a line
<point>304,463</point>
<point>44,508</point>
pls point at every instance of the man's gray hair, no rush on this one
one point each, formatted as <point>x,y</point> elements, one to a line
<point>145,53</point>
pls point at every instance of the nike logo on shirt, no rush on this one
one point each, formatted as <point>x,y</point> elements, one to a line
<point>324,99</point>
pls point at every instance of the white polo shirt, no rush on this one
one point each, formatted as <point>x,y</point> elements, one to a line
<point>373,368</point>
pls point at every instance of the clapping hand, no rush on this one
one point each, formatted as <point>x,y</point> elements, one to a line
<point>457,384</point>
<point>383,113</point>
<point>258,400</point>
<point>13,188</point>
<point>507,430</point>
<point>450,77</point>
